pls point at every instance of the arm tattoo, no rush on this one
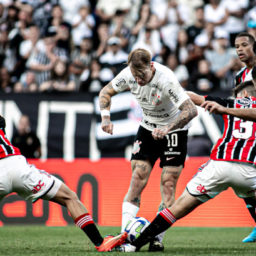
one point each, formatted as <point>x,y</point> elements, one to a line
<point>105,96</point>
<point>188,112</point>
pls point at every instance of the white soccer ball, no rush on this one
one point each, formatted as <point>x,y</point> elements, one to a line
<point>135,227</point>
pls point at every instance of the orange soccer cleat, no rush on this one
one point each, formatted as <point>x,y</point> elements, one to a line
<point>110,242</point>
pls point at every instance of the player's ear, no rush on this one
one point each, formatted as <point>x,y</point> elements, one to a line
<point>245,93</point>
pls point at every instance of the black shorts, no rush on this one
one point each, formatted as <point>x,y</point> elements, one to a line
<point>171,150</point>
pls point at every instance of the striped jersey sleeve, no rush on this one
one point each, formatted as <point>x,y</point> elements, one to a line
<point>238,142</point>
<point>6,148</point>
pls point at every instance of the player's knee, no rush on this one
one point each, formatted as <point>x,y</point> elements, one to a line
<point>139,179</point>
<point>168,186</point>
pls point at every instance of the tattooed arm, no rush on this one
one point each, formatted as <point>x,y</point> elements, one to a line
<point>105,102</point>
<point>188,112</point>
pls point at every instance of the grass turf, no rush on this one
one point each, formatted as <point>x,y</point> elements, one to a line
<point>63,241</point>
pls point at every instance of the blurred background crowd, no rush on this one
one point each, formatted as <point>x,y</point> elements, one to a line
<point>80,45</point>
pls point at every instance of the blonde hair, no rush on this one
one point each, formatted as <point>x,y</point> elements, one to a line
<point>139,58</point>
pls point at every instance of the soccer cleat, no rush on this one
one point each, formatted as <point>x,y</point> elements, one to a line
<point>126,248</point>
<point>251,238</point>
<point>110,242</point>
<point>155,245</point>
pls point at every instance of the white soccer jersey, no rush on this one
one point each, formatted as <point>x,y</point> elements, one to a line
<point>159,99</point>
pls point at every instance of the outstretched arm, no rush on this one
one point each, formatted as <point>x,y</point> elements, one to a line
<point>105,102</point>
<point>196,98</point>
<point>243,113</point>
<point>188,112</point>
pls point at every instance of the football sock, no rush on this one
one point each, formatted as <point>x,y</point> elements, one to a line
<point>160,237</point>
<point>129,211</point>
<point>251,206</point>
<point>161,222</point>
<point>86,223</point>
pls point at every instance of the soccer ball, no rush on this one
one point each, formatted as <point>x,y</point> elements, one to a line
<point>134,227</point>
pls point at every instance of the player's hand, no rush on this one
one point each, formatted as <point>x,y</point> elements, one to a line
<point>106,125</point>
<point>159,133</point>
<point>213,107</point>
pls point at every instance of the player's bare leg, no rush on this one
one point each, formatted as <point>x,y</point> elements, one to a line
<point>164,220</point>
<point>251,206</point>
<point>83,219</point>
<point>169,178</point>
<point>140,174</point>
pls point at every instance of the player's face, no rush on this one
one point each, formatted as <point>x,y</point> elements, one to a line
<point>244,49</point>
<point>142,77</point>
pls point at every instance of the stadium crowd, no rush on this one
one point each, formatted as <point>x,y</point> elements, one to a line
<point>80,45</point>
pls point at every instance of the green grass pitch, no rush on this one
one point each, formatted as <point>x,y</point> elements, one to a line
<point>63,241</point>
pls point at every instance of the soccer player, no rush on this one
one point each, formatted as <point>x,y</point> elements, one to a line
<point>232,163</point>
<point>167,111</point>
<point>246,49</point>
<point>18,176</point>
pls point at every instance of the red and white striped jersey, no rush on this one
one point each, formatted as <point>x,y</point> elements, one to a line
<point>243,75</point>
<point>6,148</point>
<point>238,142</point>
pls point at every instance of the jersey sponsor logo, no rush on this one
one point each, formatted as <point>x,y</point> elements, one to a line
<point>174,96</point>
<point>202,189</point>
<point>149,124</point>
<point>166,153</point>
<point>120,83</point>
<point>170,158</point>
<point>38,187</point>
<point>156,115</point>
<point>136,147</point>
<point>244,102</point>
<point>155,110</point>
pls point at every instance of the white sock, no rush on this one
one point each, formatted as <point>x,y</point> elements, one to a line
<point>129,211</point>
<point>161,236</point>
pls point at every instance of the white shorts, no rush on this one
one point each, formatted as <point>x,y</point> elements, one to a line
<point>216,176</point>
<point>16,175</point>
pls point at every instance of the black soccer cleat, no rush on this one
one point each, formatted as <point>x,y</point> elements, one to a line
<point>155,246</point>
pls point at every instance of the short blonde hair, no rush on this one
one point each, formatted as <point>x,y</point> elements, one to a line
<point>139,58</point>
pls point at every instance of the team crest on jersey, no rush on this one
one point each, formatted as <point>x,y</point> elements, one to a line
<point>244,102</point>
<point>136,147</point>
<point>120,83</point>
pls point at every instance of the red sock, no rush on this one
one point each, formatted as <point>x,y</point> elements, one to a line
<point>168,216</point>
<point>86,223</point>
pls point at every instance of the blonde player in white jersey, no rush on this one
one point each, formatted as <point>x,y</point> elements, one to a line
<point>167,111</point>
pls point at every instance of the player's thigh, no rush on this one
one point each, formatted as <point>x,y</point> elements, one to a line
<point>173,149</point>
<point>209,181</point>
<point>5,183</point>
<point>141,170</point>
<point>30,182</point>
<point>243,179</point>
